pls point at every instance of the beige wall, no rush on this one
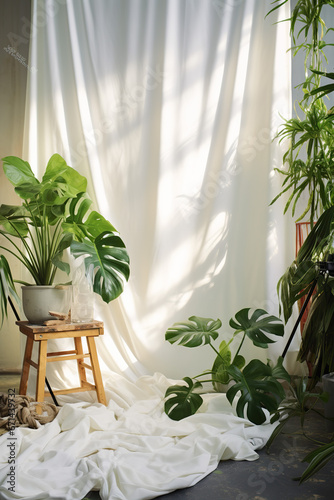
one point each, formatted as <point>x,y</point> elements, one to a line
<point>14,33</point>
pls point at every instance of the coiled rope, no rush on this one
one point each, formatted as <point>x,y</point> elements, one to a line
<point>24,412</point>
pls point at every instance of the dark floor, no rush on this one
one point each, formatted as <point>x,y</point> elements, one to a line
<point>270,477</point>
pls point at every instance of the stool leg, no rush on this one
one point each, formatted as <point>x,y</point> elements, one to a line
<point>96,371</point>
<point>41,371</point>
<point>81,368</point>
<point>26,366</point>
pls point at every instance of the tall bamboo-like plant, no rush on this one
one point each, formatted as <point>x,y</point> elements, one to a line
<point>309,158</point>
<point>309,162</point>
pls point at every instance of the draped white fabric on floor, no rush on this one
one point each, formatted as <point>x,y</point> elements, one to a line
<point>169,108</point>
<point>130,450</point>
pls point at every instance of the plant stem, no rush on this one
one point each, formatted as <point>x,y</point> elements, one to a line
<point>210,380</point>
<point>216,351</point>
<point>240,345</point>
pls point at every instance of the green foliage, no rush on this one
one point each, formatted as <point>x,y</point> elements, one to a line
<point>299,402</point>
<point>317,345</point>
<point>257,382</point>
<point>259,387</point>
<point>222,362</point>
<point>318,333</point>
<point>194,332</point>
<point>255,326</point>
<point>7,287</point>
<point>56,215</point>
<point>317,459</point>
<point>108,256</point>
<point>308,160</point>
<point>324,90</point>
<point>184,402</point>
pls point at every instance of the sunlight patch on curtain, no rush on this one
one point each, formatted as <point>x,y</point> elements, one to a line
<point>169,108</point>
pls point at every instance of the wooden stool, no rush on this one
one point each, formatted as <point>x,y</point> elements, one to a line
<point>41,334</point>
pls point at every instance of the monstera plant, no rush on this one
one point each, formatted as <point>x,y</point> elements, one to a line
<point>258,384</point>
<point>56,215</point>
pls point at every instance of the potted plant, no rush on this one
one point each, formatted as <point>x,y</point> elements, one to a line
<point>313,269</point>
<point>309,157</point>
<point>298,403</point>
<point>56,215</point>
<point>301,403</point>
<point>258,383</point>
<point>309,162</point>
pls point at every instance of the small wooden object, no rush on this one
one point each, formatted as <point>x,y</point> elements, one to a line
<point>41,334</point>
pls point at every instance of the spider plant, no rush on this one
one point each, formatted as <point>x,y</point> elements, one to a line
<point>56,215</point>
<point>308,160</point>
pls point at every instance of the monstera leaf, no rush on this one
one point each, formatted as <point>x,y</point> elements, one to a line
<point>260,390</point>
<point>82,223</point>
<point>182,400</point>
<point>255,326</point>
<point>195,332</point>
<point>108,257</point>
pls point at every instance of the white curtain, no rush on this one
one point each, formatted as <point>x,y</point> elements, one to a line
<point>169,108</point>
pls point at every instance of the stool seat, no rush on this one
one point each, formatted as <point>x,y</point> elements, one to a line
<point>41,334</point>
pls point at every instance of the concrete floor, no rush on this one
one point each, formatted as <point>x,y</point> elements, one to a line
<point>271,477</point>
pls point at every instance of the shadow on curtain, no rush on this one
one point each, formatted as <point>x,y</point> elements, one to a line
<point>169,108</point>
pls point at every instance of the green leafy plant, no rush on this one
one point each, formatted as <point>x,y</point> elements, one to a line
<point>309,170</point>
<point>309,270</point>
<point>257,383</point>
<point>56,215</point>
<point>308,160</point>
<point>317,459</point>
<point>300,403</point>
<point>7,287</point>
<point>324,90</point>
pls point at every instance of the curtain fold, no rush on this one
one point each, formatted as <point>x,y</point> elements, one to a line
<point>169,108</point>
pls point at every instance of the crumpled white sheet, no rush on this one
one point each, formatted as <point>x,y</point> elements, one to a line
<point>129,450</point>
